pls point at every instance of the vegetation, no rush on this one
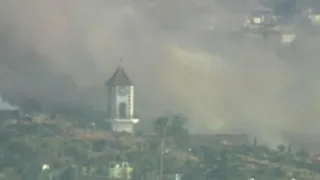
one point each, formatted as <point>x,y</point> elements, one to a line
<point>73,151</point>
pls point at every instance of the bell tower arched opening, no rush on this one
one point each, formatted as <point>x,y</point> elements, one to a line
<point>123,110</point>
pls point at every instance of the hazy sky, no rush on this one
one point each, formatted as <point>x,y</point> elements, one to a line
<point>62,51</point>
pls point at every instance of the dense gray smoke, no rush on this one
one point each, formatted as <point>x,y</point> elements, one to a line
<point>178,53</point>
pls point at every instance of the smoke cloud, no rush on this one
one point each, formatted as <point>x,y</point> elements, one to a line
<point>180,54</point>
<point>6,106</point>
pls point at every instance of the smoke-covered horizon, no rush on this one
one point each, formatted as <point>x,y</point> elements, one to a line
<point>61,53</point>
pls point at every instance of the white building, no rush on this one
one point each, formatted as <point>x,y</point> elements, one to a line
<point>120,102</point>
<point>313,17</point>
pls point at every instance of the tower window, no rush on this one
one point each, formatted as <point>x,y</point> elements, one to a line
<point>122,110</point>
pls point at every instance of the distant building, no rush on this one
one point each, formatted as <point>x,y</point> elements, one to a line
<point>121,171</point>
<point>262,22</point>
<point>6,114</point>
<point>314,17</point>
<point>261,18</point>
<point>166,176</point>
<point>120,102</point>
<point>303,141</point>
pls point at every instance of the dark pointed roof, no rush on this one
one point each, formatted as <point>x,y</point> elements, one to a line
<point>119,78</point>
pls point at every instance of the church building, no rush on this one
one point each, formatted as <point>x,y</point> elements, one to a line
<point>120,102</point>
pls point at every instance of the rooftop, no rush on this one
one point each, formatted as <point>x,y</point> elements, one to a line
<point>220,139</point>
<point>119,78</point>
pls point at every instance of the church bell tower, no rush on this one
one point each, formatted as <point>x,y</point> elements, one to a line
<point>120,102</point>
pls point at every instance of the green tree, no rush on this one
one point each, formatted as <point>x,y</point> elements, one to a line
<point>178,132</point>
<point>193,170</point>
<point>174,128</point>
<point>11,174</point>
<point>144,158</point>
<point>281,148</point>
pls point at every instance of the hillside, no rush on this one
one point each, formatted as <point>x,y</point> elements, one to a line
<point>25,145</point>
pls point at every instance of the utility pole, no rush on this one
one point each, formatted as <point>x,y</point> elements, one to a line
<point>163,135</point>
<point>223,164</point>
<point>161,151</point>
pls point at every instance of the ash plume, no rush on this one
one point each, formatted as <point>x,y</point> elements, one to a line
<point>6,106</point>
<point>61,52</point>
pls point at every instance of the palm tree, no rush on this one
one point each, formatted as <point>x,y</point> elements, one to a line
<point>160,125</point>
<point>161,128</point>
